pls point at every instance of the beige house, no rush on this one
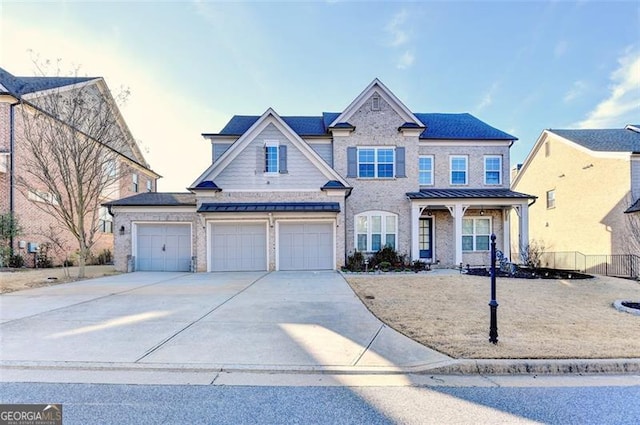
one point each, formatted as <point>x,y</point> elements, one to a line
<point>305,192</point>
<point>21,99</point>
<point>585,181</point>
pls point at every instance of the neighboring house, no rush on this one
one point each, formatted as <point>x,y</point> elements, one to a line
<point>585,181</point>
<point>304,192</point>
<point>25,94</point>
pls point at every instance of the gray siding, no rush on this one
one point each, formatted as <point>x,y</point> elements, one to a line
<point>635,178</point>
<point>218,149</point>
<point>246,170</point>
<point>325,150</point>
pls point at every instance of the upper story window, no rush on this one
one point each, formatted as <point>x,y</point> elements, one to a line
<point>459,171</point>
<point>493,169</point>
<point>376,230</point>
<point>425,166</point>
<point>134,185</point>
<point>271,159</point>
<point>551,198</point>
<point>476,233</point>
<point>105,221</point>
<point>376,163</point>
<point>149,186</point>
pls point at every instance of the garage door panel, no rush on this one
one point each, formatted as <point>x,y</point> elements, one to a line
<point>238,247</point>
<point>163,247</point>
<point>305,246</point>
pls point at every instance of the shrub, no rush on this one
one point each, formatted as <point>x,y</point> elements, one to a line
<point>43,261</point>
<point>386,255</point>
<point>16,261</point>
<point>105,257</point>
<point>355,262</point>
<point>384,266</point>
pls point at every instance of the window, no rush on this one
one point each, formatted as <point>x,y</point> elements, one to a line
<point>105,222</point>
<point>458,169</point>
<point>271,157</point>
<point>375,230</point>
<point>376,163</point>
<point>426,170</point>
<point>476,233</point>
<point>493,169</point>
<point>551,198</point>
<point>46,197</point>
<point>4,162</point>
<point>134,186</point>
<point>149,186</point>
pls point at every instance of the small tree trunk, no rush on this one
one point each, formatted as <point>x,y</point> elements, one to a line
<point>82,260</point>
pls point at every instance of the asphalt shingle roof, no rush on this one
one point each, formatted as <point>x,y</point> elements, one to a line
<point>634,208</point>
<point>149,199</point>
<point>467,193</point>
<point>603,140</point>
<point>271,207</point>
<point>438,126</point>
<point>19,86</point>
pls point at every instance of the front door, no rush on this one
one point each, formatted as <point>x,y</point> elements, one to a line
<point>425,238</point>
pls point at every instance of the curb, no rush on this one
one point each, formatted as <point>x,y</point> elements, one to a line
<point>452,367</point>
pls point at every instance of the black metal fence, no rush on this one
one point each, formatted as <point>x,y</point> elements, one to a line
<point>621,265</point>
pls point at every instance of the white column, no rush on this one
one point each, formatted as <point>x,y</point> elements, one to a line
<point>415,227</point>
<point>506,234</point>
<point>524,229</point>
<point>457,216</point>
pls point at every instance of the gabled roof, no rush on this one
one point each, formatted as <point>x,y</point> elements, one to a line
<point>603,140</point>
<point>236,207</point>
<point>19,86</point>
<point>376,87</point>
<point>166,199</point>
<point>269,117</point>
<point>467,193</point>
<point>438,126</point>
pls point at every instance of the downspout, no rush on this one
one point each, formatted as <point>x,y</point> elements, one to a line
<point>12,168</point>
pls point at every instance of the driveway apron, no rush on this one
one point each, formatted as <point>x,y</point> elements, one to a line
<point>277,320</point>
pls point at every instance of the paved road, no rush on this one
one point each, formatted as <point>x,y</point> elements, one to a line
<point>573,401</point>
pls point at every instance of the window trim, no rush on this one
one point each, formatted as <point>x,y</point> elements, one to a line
<point>466,170</point>
<point>383,229</point>
<point>499,157</point>
<point>375,162</point>
<point>551,202</point>
<point>431,171</point>
<point>134,183</point>
<point>475,235</point>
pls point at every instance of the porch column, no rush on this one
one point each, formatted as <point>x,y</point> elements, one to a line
<point>506,235</point>
<point>523,240</point>
<point>457,216</point>
<point>415,227</point>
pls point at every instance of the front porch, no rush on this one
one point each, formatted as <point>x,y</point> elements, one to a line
<point>453,226</point>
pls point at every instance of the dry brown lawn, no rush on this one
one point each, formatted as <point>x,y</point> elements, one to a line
<point>11,281</point>
<point>536,318</point>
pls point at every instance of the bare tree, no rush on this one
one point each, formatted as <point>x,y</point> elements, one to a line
<point>632,235</point>
<point>72,138</point>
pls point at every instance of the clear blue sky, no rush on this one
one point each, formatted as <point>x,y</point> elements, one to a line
<point>191,65</point>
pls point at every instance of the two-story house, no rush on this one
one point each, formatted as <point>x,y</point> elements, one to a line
<point>586,179</point>
<point>21,99</point>
<point>304,192</point>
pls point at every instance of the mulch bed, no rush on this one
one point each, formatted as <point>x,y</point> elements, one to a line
<point>527,273</point>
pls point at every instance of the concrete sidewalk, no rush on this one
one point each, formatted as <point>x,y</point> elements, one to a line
<point>190,323</point>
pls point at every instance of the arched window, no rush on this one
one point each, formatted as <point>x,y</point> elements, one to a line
<point>374,230</point>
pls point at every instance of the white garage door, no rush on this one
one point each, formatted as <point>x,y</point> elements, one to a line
<point>163,247</point>
<point>306,246</point>
<point>238,247</point>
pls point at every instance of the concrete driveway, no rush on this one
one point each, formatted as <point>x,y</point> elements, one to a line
<point>282,321</point>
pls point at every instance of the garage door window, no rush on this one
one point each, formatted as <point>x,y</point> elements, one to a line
<point>376,230</point>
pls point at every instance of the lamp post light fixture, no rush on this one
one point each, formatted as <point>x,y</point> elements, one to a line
<point>493,304</point>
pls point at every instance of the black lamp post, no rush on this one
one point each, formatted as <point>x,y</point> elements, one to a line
<point>493,304</point>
